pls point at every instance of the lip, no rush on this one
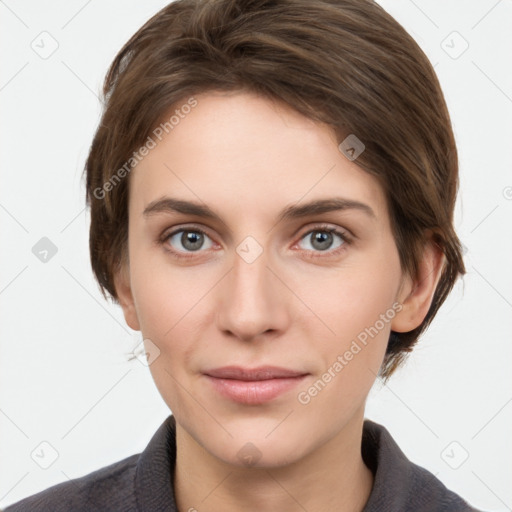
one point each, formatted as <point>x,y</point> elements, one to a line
<point>253,386</point>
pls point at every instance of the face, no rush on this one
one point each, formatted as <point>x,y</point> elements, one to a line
<point>271,316</point>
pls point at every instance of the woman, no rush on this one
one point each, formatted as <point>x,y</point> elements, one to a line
<point>272,187</point>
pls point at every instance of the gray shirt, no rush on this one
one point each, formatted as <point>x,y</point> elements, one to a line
<point>143,482</point>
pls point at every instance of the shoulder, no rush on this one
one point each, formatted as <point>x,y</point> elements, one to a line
<point>108,488</point>
<point>399,484</point>
<point>427,491</point>
<point>139,482</point>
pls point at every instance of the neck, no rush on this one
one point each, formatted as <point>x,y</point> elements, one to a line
<point>333,477</point>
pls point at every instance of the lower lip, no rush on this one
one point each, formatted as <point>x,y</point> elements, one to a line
<point>254,392</point>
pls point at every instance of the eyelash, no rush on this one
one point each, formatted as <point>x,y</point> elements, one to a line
<point>347,240</point>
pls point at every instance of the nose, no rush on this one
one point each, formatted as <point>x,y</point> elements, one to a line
<point>253,302</point>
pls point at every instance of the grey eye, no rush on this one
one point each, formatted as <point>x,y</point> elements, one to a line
<point>190,240</point>
<point>322,240</point>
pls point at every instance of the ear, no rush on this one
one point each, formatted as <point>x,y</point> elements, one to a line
<point>416,294</point>
<point>122,284</point>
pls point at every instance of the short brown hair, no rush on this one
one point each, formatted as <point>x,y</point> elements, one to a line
<point>346,63</point>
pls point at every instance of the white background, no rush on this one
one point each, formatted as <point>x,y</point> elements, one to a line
<point>64,374</point>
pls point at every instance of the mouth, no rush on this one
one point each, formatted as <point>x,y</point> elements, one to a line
<point>253,386</point>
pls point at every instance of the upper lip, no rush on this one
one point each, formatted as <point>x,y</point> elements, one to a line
<point>260,373</point>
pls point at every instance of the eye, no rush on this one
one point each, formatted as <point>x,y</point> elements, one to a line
<point>187,240</point>
<point>324,239</point>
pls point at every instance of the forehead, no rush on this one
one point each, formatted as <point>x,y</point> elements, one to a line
<point>248,154</point>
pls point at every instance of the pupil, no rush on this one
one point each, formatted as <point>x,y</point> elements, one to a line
<point>191,240</point>
<point>322,240</point>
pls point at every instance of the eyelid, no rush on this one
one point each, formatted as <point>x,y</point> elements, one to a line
<point>343,233</point>
<point>326,227</point>
<point>188,227</point>
<point>168,233</point>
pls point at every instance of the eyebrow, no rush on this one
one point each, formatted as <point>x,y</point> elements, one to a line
<point>316,207</point>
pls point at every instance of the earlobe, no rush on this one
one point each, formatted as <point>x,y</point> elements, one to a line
<point>125,297</point>
<point>416,294</point>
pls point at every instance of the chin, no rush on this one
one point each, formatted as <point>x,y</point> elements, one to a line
<point>258,449</point>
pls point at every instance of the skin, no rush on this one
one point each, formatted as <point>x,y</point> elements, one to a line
<point>295,306</point>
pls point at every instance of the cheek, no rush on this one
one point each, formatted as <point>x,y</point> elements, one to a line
<point>168,302</point>
<point>357,303</point>
<point>348,300</point>
<point>165,294</point>
<point>360,314</point>
<point>171,304</point>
